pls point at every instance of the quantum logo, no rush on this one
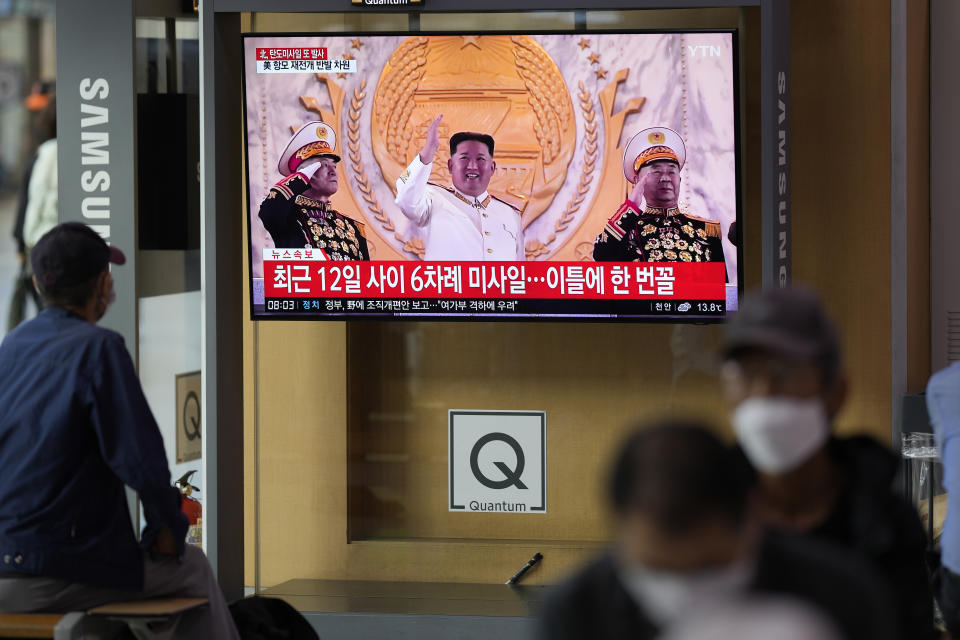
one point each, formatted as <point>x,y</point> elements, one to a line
<point>511,477</point>
<point>498,461</point>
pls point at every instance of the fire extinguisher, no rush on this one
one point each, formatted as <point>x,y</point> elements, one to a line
<point>191,508</point>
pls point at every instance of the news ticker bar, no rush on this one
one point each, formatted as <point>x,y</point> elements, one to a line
<point>307,66</point>
<point>479,307</point>
<point>316,278</point>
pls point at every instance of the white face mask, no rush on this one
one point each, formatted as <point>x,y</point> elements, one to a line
<point>780,433</point>
<point>665,596</point>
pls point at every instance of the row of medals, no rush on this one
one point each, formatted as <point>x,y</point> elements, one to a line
<point>670,246</point>
<point>333,238</point>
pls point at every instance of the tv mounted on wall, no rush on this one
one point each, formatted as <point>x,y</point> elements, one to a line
<point>590,175</point>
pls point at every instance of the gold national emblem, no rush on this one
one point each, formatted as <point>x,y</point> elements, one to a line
<point>508,86</point>
<point>656,137</point>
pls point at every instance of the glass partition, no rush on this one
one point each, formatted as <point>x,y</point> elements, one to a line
<point>167,74</point>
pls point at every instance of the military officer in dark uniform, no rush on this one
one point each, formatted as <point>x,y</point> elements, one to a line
<point>297,211</point>
<point>656,231</point>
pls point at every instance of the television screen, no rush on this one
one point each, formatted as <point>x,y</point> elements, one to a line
<point>502,175</point>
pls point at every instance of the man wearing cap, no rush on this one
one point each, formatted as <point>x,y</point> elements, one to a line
<point>461,222</point>
<point>297,212</point>
<point>75,428</point>
<point>648,226</point>
<point>783,378</point>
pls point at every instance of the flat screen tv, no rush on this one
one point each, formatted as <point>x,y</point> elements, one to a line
<point>505,176</point>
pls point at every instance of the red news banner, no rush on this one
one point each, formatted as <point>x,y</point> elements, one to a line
<point>306,273</point>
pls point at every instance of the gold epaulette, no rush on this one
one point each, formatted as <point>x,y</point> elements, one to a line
<point>515,208</point>
<point>710,227</point>
<point>464,200</point>
<point>306,201</point>
<point>283,186</point>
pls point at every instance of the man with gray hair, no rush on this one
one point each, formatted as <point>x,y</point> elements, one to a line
<point>75,428</point>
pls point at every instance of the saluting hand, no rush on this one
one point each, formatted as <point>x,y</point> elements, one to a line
<point>433,141</point>
<point>309,167</point>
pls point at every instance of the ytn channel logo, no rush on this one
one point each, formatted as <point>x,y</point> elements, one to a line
<point>497,461</point>
<point>704,51</point>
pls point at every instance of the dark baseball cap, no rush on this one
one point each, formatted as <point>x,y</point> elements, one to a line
<point>790,322</point>
<point>71,253</point>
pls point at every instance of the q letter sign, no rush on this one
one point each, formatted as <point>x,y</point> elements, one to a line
<point>498,461</point>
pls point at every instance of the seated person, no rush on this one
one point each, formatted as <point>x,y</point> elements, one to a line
<point>784,382</point>
<point>74,429</point>
<point>686,539</point>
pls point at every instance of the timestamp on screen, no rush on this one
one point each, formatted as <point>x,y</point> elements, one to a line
<point>281,305</point>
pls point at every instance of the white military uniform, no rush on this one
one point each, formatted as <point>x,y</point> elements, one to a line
<point>457,226</point>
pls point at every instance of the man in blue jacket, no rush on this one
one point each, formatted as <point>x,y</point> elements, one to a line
<point>75,428</point>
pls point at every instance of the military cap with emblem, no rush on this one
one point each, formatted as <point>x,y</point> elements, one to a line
<point>650,145</point>
<point>293,218</point>
<point>314,139</point>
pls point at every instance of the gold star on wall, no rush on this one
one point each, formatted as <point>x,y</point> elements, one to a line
<point>348,56</point>
<point>601,73</point>
<point>468,40</point>
<point>356,43</point>
<point>341,76</point>
<point>594,58</point>
<point>584,43</point>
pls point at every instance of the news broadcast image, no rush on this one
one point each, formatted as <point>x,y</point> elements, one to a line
<point>611,191</point>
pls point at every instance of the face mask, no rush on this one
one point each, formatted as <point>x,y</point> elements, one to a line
<point>778,434</point>
<point>665,596</point>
